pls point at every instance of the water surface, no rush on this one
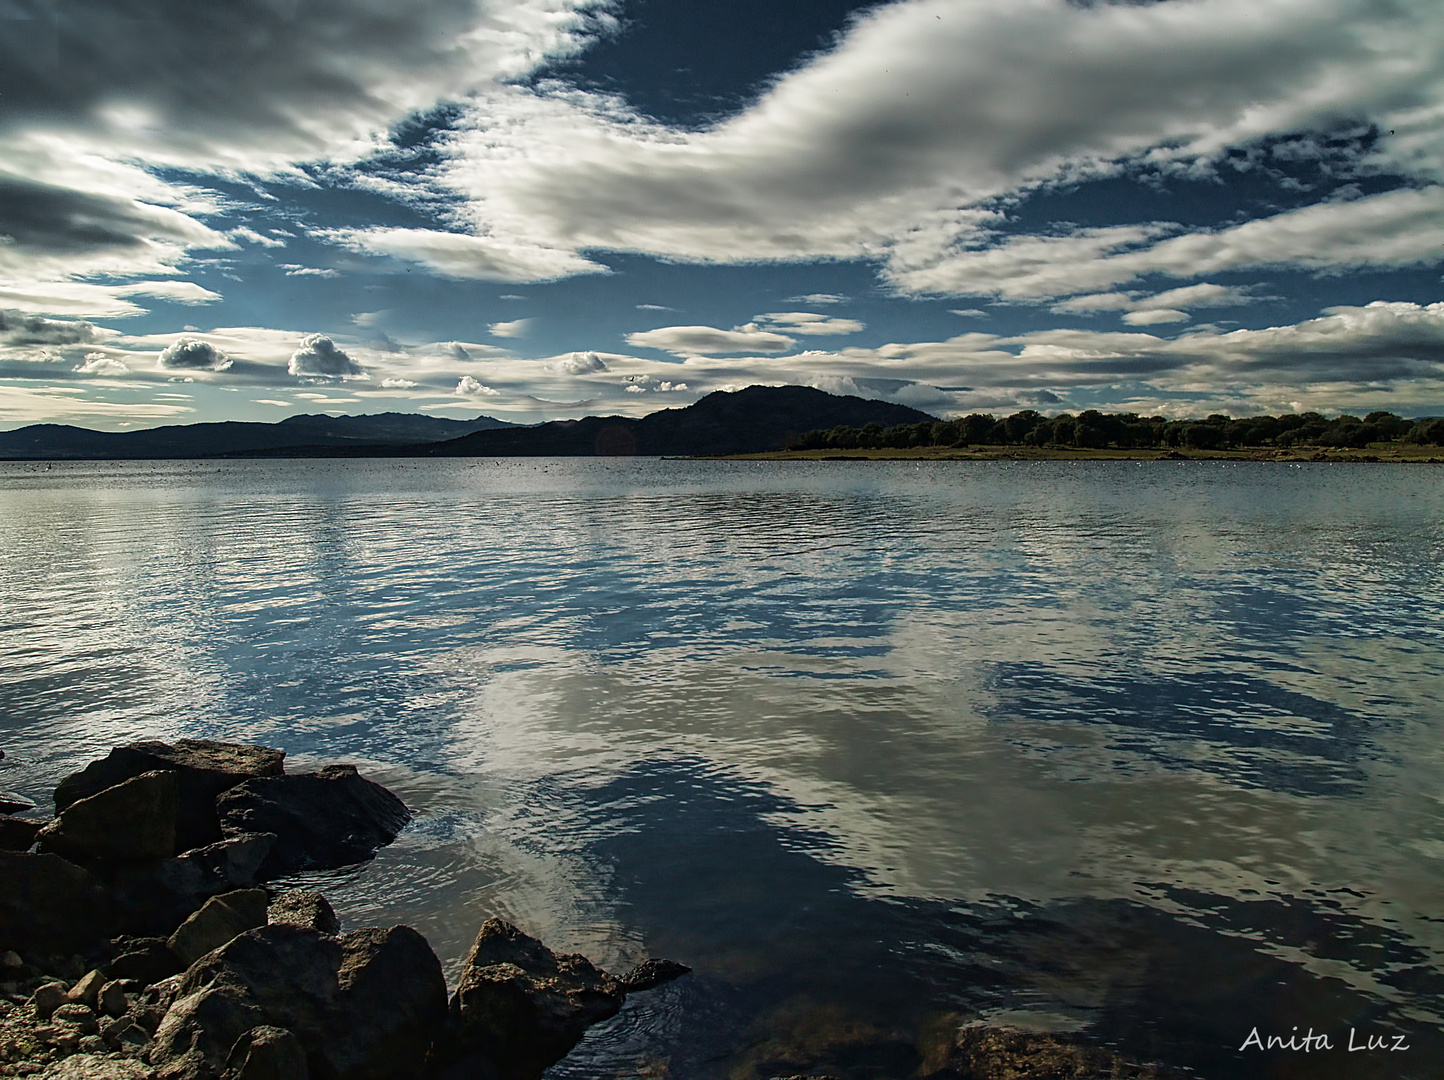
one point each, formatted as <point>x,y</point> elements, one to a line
<point>1150,751</point>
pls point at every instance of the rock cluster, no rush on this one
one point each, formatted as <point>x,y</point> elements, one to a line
<point>137,941</point>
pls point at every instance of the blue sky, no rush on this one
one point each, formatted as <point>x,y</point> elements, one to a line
<point>546,208</point>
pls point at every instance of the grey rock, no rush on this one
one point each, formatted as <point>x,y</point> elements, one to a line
<point>95,1067</point>
<point>133,821</point>
<point>77,1015</point>
<point>267,1053</point>
<point>152,1003</point>
<point>145,960</point>
<point>206,768</point>
<point>11,803</point>
<point>113,999</point>
<point>87,989</point>
<point>11,959</point>
<point>17,834</point>
<point>154,898</point>
<point>334,817</point>
<point>49,997</point>
<point>390,1007</point>
<point>651,973</point>
<point>124,1034</point>
<point>520,1007</point>
<point>49,905</point>
<point>219,920</point>
<point>194,1039</point>
<point>301,907</point>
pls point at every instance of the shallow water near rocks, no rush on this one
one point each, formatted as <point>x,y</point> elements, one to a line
<point>1147,751</point>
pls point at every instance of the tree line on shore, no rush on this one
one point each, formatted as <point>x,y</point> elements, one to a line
<point>1094,430</point>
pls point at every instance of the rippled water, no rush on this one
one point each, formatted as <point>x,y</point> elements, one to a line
<point>1147,750</point>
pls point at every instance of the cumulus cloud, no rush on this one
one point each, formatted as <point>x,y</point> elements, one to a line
<point>320,357</point>
<point>192,354</point>
<point>578,363</point>
<point>807,322</point>
<point>514,329</point>
<point>471,387</point>
<point>866,152</point>
<point>397,384</point>
<point>17,328</point>
<point>689,340</point>
<point>100,364</point>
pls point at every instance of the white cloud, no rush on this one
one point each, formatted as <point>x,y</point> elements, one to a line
<point>970,313</point>
<point>807,322</point>
<point>867,152</point>
<point>471,387</point>
<point>818,298</point>
<point>397,384</point>
<point>293,270</point>
<point>320,357</point>
<point>687,340</point>
<point>514,329</point>
<point>100,364</point>
<point>1154,316</point>
<point>578,363</point>
<point>461,255</point>
<point>192,354</point>
<point>250,236</point>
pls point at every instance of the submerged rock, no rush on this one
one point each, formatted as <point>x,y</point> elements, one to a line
<point>133,821</point>
<point>321,820</point>
<point>49,905</point>
<point>999,1053</point>
<point>651,973</point>
<point>205,769</point>
<point>520,1007</point>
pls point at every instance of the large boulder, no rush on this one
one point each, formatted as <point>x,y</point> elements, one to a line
<point>391,1007</point>
<point>133,821</point>
<point>206,768</point>
<point>366,1006</point>
<point>219,920</point>
<point>49,905</point>
<point>17,834</point>
<point>520,1007</point>
<point>301,907</point>
<point>321,820</point>
<point>154,898</point>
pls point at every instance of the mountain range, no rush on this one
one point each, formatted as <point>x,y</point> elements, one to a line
<point>756,419</point>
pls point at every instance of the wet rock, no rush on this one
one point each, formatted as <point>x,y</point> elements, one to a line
<point>219,920</point>
<point>146,960</point>
<point>300,907</point>
<point>134,821</point>
<point>49,905</point>
<point>95,1067</point>
<point>153,899</point>
<point>11,803</point>
<point>652,972</point>
<point>17,834</point>
<point>321,820</point>
<point>997,1053</point>
<point>520,1007</point>
<point>390,1008</point>
<point>205,768</point>
<point>267,1053</point>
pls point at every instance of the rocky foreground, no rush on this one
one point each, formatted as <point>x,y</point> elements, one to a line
<point>138,942</point>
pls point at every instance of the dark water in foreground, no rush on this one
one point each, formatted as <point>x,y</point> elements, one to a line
<point>1146,750</point>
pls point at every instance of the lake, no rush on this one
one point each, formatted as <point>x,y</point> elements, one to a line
<point>1150,751</point>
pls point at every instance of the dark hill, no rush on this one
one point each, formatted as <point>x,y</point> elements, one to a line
<point>55,441</point>
<point>753,420</point>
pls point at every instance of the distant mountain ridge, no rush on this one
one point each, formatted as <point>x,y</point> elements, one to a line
<point>234,437</point>
<point>753,420</point>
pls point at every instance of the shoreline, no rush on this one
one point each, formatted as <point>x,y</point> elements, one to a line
<point>1392,454</point>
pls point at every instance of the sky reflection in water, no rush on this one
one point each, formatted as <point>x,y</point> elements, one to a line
<point>1148,748</point>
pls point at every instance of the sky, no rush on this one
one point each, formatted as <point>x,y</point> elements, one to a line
<point>536,209</point>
